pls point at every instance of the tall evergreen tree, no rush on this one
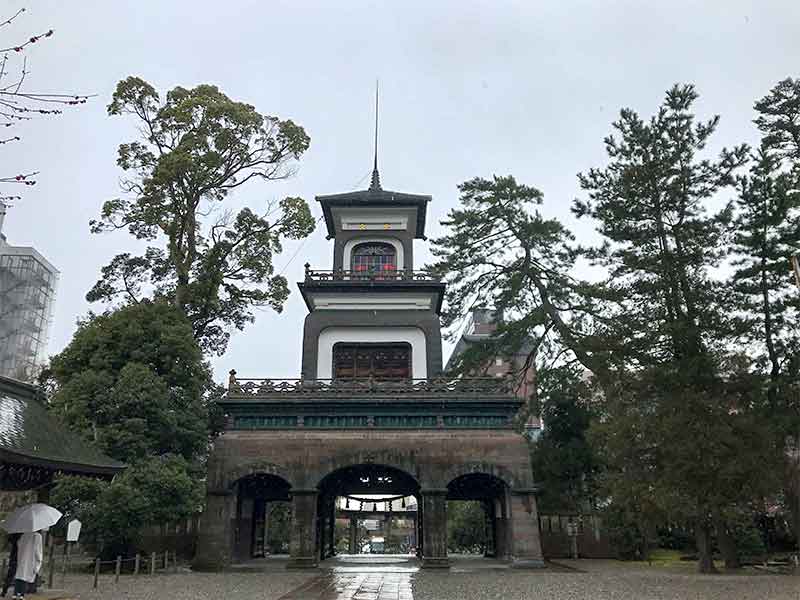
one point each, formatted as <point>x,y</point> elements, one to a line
<point>767,235</point>
<point>562,458</point>
<point>779,119</point>
<point>660,247</point>
<point>500,251</point>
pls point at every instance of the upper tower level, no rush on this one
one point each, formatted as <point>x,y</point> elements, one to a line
<point>374,216</point>
<point>373,233</point>
<point>371,306</point>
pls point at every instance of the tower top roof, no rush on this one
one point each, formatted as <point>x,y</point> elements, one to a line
<point>375,198</point>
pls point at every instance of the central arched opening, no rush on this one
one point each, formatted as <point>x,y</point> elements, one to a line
<point>263,516</point>
<point>477,515</point>
<point>368,509</point>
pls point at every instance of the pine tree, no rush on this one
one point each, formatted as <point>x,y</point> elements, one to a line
<point>660,246</point>
<point>499,251</point>
<point>767,236</point>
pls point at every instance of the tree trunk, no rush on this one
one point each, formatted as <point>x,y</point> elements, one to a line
<point>791,487</point>
<point>727,545</point>
<point>702,533</point>
<point>644,541</point>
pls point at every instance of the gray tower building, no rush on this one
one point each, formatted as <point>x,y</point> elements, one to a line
<point>372,412</point>
<point>27,290</point>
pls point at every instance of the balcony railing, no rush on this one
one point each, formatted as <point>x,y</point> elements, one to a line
<point>469,386</point>
<point>369,275</point>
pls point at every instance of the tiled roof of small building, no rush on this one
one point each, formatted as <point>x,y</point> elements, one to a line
<point>29,435</point>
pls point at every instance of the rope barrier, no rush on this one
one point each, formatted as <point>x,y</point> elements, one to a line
<point>159,562</point>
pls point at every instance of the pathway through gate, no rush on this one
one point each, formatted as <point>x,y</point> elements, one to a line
<point>359,578</point>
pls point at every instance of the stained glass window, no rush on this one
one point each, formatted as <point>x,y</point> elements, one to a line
<point>374,258</point>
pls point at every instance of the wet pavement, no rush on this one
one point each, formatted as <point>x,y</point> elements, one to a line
<point>399,578</point>
<point>359,578</point>
<point>355,586</point>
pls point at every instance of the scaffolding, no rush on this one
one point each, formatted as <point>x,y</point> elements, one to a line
<point>27,290</point>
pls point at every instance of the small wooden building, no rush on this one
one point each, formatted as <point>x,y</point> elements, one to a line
<point>34,446</point>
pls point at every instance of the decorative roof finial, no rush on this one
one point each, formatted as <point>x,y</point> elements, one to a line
<point>375,184</point>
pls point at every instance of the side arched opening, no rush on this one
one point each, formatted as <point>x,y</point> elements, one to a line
<point>262,517</point>
<point>478,515</point>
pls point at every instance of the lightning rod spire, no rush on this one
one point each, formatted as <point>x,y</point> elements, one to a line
<point>375,184</point>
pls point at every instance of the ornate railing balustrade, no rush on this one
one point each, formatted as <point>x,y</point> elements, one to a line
<point>370,275</point>
<point>446,386</point>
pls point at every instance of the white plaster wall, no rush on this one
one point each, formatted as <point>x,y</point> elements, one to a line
<point>348,249</point>
<point>372,301</point>
<point>412,335</point>
<point>371,219</point>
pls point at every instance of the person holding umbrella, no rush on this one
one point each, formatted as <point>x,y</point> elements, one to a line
<point>29,521</point>
<point>12,563</point>
<point>29,561</point>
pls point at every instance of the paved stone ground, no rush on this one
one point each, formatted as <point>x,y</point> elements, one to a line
<point>392,579</point>
<point>616,584</point>
<point>188,586</point>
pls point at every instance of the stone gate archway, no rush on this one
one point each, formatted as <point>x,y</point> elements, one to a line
<point>314,510</point>
<point>255,493</point>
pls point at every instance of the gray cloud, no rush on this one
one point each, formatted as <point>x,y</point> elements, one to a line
<point>468,88</point>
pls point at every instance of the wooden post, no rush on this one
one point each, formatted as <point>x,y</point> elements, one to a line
<point>66,561</point>
<point>96,572</point>
<point>153,563</point>
<point>52,572</point>
<point>136,564</point>
<point>117,569</point>
<point>175,561</point>
<point>166,559</point>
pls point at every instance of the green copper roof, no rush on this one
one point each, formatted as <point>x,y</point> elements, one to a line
<point>30,435</point>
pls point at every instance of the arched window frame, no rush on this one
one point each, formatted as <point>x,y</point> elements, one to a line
<point>383,262</point>
<point>353,242</point>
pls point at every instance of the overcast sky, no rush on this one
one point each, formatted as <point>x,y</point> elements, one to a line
<point>467,88</point>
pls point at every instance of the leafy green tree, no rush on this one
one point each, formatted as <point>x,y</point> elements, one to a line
<point>133,381</point>
<point>174,489</point>
<point>156,492</point>
<point>563,460</point>
<point>659,242</point>
<point>196,147</point>
<point>653,332</point>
